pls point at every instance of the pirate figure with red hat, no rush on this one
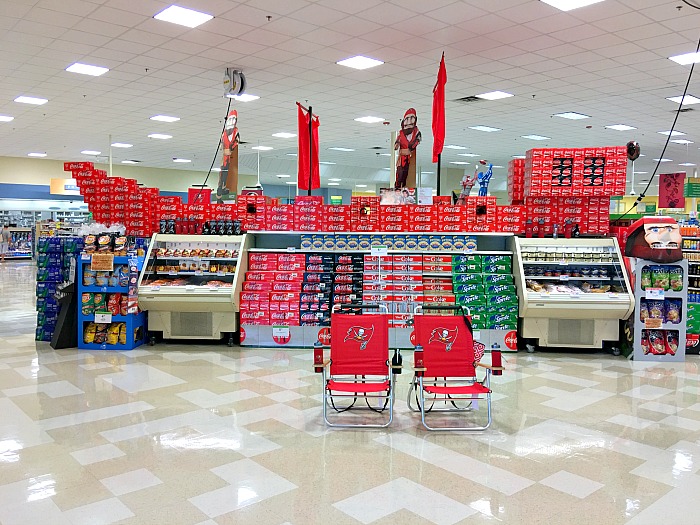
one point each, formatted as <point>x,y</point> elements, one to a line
<point>229,163</point>
<point>406,143</point>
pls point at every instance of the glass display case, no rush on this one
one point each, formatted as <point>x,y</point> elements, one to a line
<point>573,292</point>
<point>190,285</point>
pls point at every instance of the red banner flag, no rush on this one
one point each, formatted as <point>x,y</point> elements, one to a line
<point>439,110</point>
<point>303,155</point>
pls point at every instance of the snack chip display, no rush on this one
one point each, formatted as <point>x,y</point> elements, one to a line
<point>656,309</point>
<point>660,277</point>
<point>89,334</point>
<point>113,334</point>
<point>646,277</point>
<point>101,334</point>
<point>89,277</point>
<point>88,303</point>
<point>675,275</point>
<point>674,307</point>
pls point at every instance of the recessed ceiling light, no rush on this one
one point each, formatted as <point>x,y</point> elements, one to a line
<point>121,145</point>
<point>164,118</point>
<point>494,95</point>
<point>159,136</point>
<point>6,118</point>
<point>487,129</point>
<point>428,172</point>
<point>466,155</point>
<point>370,120</point>
<point>568,5</point>
<point>360,62</point>
<point>85,69</point>
<point>333,184</point>
<point>682,141</point>
<point>291,154</point>
<point>641,172</point>
<point>284,135</point>
<point>663,160</point>
<point>335,180</point>
<point>496,166</point>
<point>452,146</point>
<point>518,156</point>
<point>361,185</point>
<point>341,149</point>
<point>130,161</point>
<point>536,137</point>
<point>326,163</point>
<point>291,183</point>
<point>385,154</point>
<point>216,169</point>
<point>245,97</point>
<point>620,127</point>
<point>673,133</point>
<point>387,169</point>
<point>36,154</point>
<point>91,152</point>
<point>460,162</point>
<point>571,115</point>
<point>262,148</point>
<point>31,100</point>
<point>283,176</point>
<point>686,58</point>
<point>183,16</point>
<point>687,164</point>
<point>687,101</point>
<point>181,160</point>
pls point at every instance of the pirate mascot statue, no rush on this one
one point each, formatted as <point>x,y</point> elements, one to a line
<point>229,163</point>
<point>406,143</point>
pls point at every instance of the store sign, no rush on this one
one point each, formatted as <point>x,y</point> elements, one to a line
<point>692,189</point>
<point>64,187</point>
<point>102,262</point>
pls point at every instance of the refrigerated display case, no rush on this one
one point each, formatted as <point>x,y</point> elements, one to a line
<point>572,292</point>
<point>190,285</point>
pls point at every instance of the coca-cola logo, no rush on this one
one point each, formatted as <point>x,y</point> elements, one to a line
<point>451,228</point>
<point>393,218</point>
<point>324,336</point>
<point>511,340</point>
<point>393,227</point>
<point>422,218</point>
<point>168,207</point>
<point>281,209</point>
<point>511,219</point>
<point>309,208</point>
<point>198,207</point>
<point>337,209</point>
<point>335,218</point>
<point>278,227</point>
<point>541,200</point>
<point>422,227</point>
<point>574,201</point>
<point>306,227</point>
<point>137,224</point>
<point>541,210</point>
<point>306,218</point>
<point>511,210</point>
<point>280,218</point>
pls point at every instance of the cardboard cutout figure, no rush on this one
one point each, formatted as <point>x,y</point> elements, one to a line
<point>228,176</point>
<point>467,185</point>
<point>406,143</point>
<point>655,239</point>
<point>484,178</point>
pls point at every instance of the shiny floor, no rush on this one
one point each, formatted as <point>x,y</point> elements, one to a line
<point>187,434</point>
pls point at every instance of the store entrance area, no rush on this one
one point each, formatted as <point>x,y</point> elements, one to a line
<point>203,434</point>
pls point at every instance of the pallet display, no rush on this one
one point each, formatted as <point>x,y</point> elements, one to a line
<point>108,316</point>
<point>691,252</point>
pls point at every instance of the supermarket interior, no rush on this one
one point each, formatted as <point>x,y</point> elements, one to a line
<point>297,262</point>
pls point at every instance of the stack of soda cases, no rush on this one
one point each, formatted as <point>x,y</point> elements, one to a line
<point>482,214</point>
<point>516,181</point>
<point>364,214</point>
<point>54,258</point>
<point>308,214</point>
<point>250,210</point>
<point>337,218</point>
<point>348,281</point>
<point>280,217</point>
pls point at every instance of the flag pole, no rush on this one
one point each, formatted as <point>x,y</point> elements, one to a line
<point>311,148</point>
<point>438,173</point>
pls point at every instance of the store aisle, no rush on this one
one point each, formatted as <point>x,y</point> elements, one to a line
<point>178,434</point>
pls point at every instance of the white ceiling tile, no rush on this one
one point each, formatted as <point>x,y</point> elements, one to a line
<point>144,37</point>
<point>81,37</point>
<point>318,15</point>
<point>36,29</point>
<point>119,17</point>
<point>386,11</point>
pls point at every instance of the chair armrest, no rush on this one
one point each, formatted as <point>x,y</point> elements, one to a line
<point>419,369</point>
<point>490,367</point>
<point>396,367</point>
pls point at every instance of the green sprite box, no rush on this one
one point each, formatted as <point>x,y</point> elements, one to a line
<point>511,308</point>
<point>498,289</point>
<point>501,300</point>
<point>471,289</point>
<point>498,278</point>
<point>469,300</point>
<point>466,259</point>
<point>502,318</point>
<point>500,267</point>
<point>478,322</point>
<point>503,326</point>
<point>466,278</point>
<point>466,268</point>
<point>497,259</point>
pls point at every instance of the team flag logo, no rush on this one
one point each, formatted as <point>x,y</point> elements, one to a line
<point>360,334</point>
<point>444,336</point>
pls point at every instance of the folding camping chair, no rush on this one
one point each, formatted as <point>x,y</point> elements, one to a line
<point>359,367</point>
<point>445,363</point>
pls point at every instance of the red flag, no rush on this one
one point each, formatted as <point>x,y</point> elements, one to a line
<point>303,155</point>
<point>439,110</point>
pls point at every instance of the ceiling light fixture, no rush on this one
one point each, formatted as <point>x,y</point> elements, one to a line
<point>673,133</point>
<point>262,148</point>
<point>36,154</point>
<point>689,100</point>
<point>326,163</point>
<point>487,129</point>
<point>359,62</point>
<point>687,164</point>
<point>682,141</point>
<point>291,183</point>
<point>183,16</point>
<point>460,163</point>
<point>6,118</point>
<point>164,118</point>
<point>536,137</point>
<point>335,180</point>
<point>291,154</point>
<point>181,160</point>
<point>466,155</point>
<point>284,135</point>
<point>686,58</point>
<point>333,184</point>
<point>620,127</point>
<point>31,100</point>
<point>122,145</point>
<point>571,115</point>
<point>130,161</point>
<point>159,136</point>
<point>91,152</point>
<point>341,149</point>
<point>568,5</point>
<point>369,120</point>
<point>494,95</point>
<point>385,154</point>
<point>663,160</point>
<point>245,97</point>
<point>361,185</point>
<point>86,69</point>
<point>518,156</point>
<point>452,146</point>
<point>283,176</point>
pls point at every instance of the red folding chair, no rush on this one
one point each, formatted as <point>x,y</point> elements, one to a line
<point>359,368</point>
<point>445,364</point>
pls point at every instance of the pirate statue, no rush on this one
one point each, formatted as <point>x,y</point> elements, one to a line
<point>483,178</point>
<point>467,185</point>
<point>406,143</point>
<point>229,164</point>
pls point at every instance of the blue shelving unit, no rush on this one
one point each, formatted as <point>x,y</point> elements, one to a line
<point>133,321</point>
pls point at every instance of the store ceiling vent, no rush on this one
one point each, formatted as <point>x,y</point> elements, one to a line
<point>684,110</point>
<point>468,100</point>
<point>571,332</point>
<point>198,324</point>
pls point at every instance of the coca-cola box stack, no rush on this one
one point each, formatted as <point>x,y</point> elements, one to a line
<point>516,181</point>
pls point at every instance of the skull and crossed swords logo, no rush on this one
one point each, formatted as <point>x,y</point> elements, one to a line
<point>444,336</point>
<point>360,334</point>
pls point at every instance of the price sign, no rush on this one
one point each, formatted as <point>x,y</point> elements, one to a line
<point>155,288</point>
<point>379,251</point>
<point>655,294</point>
<point>172,273</point>
<point>220,274</point>
<point>563,277</point>
<point>190,287</point>
<point>652,323</point>
<point>85,256</point>
<point>103,317</point>
<point>291,249</point>
<point>102,262</point>
<point>280,331</point>
<point>199,272</point>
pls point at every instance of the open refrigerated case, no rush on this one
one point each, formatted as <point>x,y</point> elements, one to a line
<point>190,285</point>
<point>572,292</point>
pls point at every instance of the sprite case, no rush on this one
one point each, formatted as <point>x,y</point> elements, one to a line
<point>469,289</point>
<point>466,259</point>
<point>467,278</point>
<point>498,278</point>
<point>471,300</point>
<point>467,268</point>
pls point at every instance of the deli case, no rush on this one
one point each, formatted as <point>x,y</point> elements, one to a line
<point>572,292</point>
<point>190,285</point>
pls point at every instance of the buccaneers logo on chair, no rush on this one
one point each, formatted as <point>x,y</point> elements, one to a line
<point>360,334</point>
<point>444,336</point>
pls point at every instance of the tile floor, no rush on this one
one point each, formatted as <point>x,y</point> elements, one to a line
<point>187,434</point>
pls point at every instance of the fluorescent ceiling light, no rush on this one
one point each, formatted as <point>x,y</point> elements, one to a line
<point>687,101</point>
<point>460,162</point>
<point>6,118</point>
<point>536,137</point>
<point>686,58</point>
<point>122,145</point>
<point>673,133</point>
<point>428,172</point>
<point>385,154</point>
<point>283,176</point>
<point>387,169</point>
<point>90,152</point>
<point>31,100</point>
<point>496,166</point>
<point>487,129</point>
<point>663,160</point>
<point>518,156</point>
<point>181,160</point>
<point>216,169</point>
<point>370,120</point>
<point>183,16</point>
<point>326,163</point>
<point>165,118</point>
<point>292,154</point>
<point>291,183</point>
<point>687,164</point>
<point>85,69</point>
<point>452,146</point>
<point>341,149</point>
<point>334,184</point>
<point>359,62</point>
<point>130,161</point>
<point>335,180</point>
<point>361,185</point>
<point>466,155</point>
<point>620,127</point>
<point>284,135</point>
<point>245,97</point>
<point>682,141</point>
<point>262,148</point>
<point>641,172</point>
<point>571,115</point>
<point>494,95</point>
<point>36,154</point>
<point>159,136</point>
<point>568,5</point>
